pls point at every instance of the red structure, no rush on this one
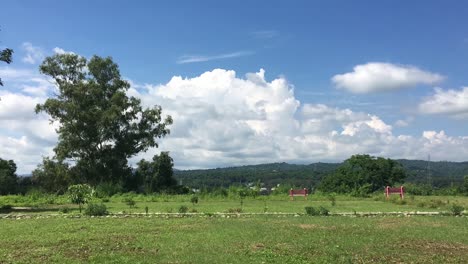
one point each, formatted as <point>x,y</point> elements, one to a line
<point>300,192</point>
<point>400,190</point>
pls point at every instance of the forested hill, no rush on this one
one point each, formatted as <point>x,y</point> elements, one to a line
<point>441,173</point>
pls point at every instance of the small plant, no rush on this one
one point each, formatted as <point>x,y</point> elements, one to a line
<point>332,199</point>
<point>96,210</point>
<point>80,194</point>
<point>194,200</point>
<point>183,209</point>
<point>105,200</point>
<point>234,210</point>
<point>129,201</point>
<point>193,210</point>
<point>64,210</point>
<point>421,204</point>
<point>323,211</point>
<point>317,211</point>
<point>311,210</point>
<point>456,209</point>
<point>146,210</point>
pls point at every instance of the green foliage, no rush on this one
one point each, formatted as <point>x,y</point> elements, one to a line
<point>107,189</point>
<point>52,176</point>
<point>157,175</point>
<point>310,210</point>
<point>194,199</point>
<point>96,210</point>
<point>183,209</point>
<point>101,127</point>
<point>6,55</point>
<point>64,210</point>
<point>8,177</point>
<point>80,194</point>
<point>362,175</point>
<point>129,201</point>
<point>456,209</point>
<point>234,210</point>
<point>332,199</point>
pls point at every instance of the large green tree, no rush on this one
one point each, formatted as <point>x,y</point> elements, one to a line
<point>157,175</point>
<point>52,176</point>
<point>363,174</point>
<point>8,177</point>
<point>100,125</point>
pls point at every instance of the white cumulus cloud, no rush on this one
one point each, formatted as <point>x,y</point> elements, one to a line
<point>378,77</point>
<point>33,54</point>
<point>449,102</point>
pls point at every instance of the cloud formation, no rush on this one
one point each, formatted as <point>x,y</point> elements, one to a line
<point>33,54</point>
<point>202,58</point>
<point>221,119</point>
<point>453,103</point>
<point>379,77</point>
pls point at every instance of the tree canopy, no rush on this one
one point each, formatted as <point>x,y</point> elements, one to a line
<point>363,174</point>
<point>8,177</point>
<point>100,126</point>
<point>157,175</point>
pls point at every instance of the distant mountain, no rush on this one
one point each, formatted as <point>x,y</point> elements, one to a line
<point>441,173</point>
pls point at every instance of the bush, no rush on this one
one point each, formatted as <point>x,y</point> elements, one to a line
<point>105,200</point>
<point>323,211</point>
<point>311,210</point>
<point>183,209</point>
<point>194,200</point>
<point>129,201</point>
<point>234,210</point>
<point>317,211</point>
<point>96,209</point>
<point>456,209</point>
<point>332,199</point>
<point>5,207</point>
<point>64,210</point>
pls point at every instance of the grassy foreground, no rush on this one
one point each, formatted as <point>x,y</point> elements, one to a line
<point>302,239</point>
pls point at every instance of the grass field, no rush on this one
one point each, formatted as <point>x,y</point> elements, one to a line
<point>260,204</point>
<point>303,239</point>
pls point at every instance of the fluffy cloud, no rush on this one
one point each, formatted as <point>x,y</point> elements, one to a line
<point>58,50</point>
<point>33,54</point>
<point>450,102</point>
<point>221,119</point>
<point>378,77</point>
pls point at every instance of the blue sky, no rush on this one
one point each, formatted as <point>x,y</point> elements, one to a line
<point>306,43</point>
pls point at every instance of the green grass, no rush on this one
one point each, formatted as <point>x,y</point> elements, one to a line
<point>276,203</point>
<point>235,240</point>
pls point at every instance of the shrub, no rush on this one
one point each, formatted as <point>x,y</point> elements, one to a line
<point>80,194</point>
<point>311,210</point>
<point>194,200</point>
<point>5,207</point>
<point>129,201</point>
<point>332,199</point>
<point>64,210</point>
<point>456,209</point>
<point>323,211</point>
<point>96,209</point>
<point>183,209</point>
<point>105,200</point>
<point>234,210</point>
<point>421,204</point>
<point>317,211</point>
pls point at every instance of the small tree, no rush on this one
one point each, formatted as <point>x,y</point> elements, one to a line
<point>8,178</point>
<point>80,194</point>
